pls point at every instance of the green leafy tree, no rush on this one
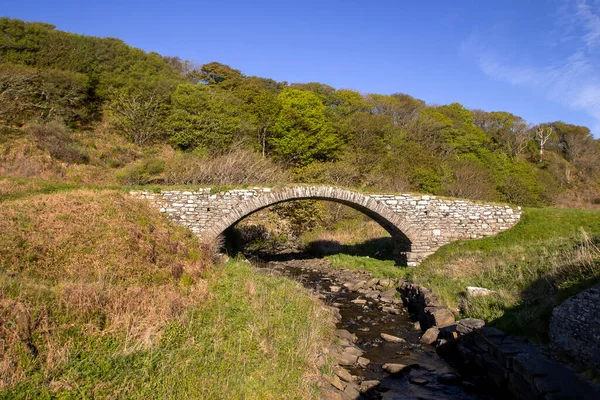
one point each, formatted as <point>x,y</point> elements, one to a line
<point>203,118</point>
<point>510,133</point>
<point>402,108</point>
<point>215,73</point>
<point>301,133</point>
<point>260,107</point>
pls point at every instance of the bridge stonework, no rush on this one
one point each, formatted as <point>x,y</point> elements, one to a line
<point>418,224</point>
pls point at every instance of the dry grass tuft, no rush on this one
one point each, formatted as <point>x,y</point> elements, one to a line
<point>82,265</point>
<point>237,167</point>
<point>93,236</point>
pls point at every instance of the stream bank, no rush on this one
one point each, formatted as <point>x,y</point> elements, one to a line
<point>378,354</point>
<point>396,341</point>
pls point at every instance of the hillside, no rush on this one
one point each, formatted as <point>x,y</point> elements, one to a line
<point>100,296</point>
<point>77,109</point>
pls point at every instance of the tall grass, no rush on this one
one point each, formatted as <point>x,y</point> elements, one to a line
<point>101,297</point>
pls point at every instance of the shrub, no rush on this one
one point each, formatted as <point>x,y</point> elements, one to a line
<point>234,168</point>
<point>55,138</point>
<point>142,174</point>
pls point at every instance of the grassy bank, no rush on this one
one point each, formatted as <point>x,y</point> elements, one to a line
<point>357,243</point>
<point>550,255</point>
<point>101,297</point>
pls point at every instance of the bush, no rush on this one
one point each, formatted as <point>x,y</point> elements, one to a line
<point>56,138</point>
<point>234,168</point>
<point>471,181</point>
<point>142,174</point>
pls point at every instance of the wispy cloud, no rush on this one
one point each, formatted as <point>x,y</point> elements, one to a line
<point>574,79</point>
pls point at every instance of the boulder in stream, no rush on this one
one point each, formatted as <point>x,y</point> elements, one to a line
<point>393,368</point>
<point>344,334</point>
<point>430,335</point>
<point>334,381</point>
<point>343,374</point>
<point>368,385</point>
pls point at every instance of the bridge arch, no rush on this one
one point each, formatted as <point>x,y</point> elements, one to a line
<point>395,224</point>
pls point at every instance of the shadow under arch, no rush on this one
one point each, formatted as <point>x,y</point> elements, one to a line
<point>394,224</point>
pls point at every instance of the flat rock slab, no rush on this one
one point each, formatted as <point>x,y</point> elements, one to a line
<point>391,338</point>
<point>344,334</point>
<point>353,350</point>
<point>468,325</point>
<point>363,362</point>
<point>474,291</point>
<point>390,310</point>
<point>343,374</point>
<point>393,368</point>
<point>439,316</point>
<point>418,381</point>
<point>368,385</point>
<point>449,379</point>
<point>334,381</point>
<point>344,358</point>
<point>352,391</point>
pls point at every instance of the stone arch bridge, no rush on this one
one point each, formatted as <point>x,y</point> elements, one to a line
<point>418,224</point>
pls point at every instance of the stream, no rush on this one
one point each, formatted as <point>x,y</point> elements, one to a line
<point>426,376</point>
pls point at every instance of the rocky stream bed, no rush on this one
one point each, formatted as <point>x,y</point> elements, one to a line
<point>379,353</point>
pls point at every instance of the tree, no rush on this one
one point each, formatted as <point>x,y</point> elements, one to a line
<point>510,133</point>
<point>301,133</point>
<point>137,115</point>
<point>348,103</point>
<point>542,135</point>
<point>401,108</point>
<point>367,134</point>
<point>44,94</point>
<point>203,117</point>
<point>260,107</point>
<point>325,93</point>
<point>577,145</point>
<point>215,73</point>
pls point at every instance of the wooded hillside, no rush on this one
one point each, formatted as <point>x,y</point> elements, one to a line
<point>75,109</point>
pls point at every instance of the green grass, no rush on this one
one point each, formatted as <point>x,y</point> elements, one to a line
<point>379,268</point>
<point>550,255</point>
<point>255,338</point>
<point>92,306</point>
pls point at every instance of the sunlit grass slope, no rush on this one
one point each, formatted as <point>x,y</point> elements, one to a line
<point>101,297</point>
<point>550,255</point>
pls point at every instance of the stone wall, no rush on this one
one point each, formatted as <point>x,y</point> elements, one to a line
<point>419,224</point>
<point>519,369</point>
<point>575,327</point>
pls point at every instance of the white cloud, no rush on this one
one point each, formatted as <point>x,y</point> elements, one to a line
<point>573,80</point>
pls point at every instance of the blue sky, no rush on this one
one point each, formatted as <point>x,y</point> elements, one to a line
<point>538,59</point>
